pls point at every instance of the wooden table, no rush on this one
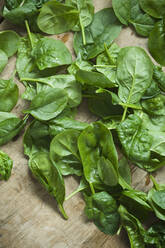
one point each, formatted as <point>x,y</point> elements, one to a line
<point>28,215</point>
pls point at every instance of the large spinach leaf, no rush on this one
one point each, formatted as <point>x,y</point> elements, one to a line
<point>50,53</point>
<point>102,209</point>
<point>48,104</point>
<point>64,152</point>
<point>6,165</point>
<point>57,18</point>
<point>49,176</point>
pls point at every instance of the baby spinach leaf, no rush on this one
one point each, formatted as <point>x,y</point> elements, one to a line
<point>124,170</point>
<point>106,62</point>
<point>36,138</point>
<point>9,42</point>
<point>6,165</point>
<point>95,142</point>
<point>133,227</point>
<point>94,78</point>
<point>8,95</point>
<point>67,82</point>
<point>61,123</point>
<point>49,176</point>
<point>153,7</point>
<point>135,139</point>
<point>109,29</point>
<point>64,152</point>
<point>155,105</point>
<point>57,18</point>
<point>129,11</point>
<point>86,13</point>
<point>156,42</point>
<point>155,235</point>
<point>10,126</point>
<point>79,64</point>
<point>102,209</point>
<point>3,60</point>
<point>49,53</point>
<point>48,104</point>
<point>102,105</point>
<point>132,77</point>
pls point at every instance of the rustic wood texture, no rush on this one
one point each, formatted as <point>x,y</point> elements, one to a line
<point>28,215</point>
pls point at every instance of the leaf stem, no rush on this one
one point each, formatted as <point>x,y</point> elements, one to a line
<point>106,66</point>
<point>74,193</point>
<point>124,114</point>
<point>62,211</point>
<point>29,33</point>
<point>92,188</point>
<point>130,106</point>
<point>156,185</point>
<point>82,31</point>
<point>108,55</point>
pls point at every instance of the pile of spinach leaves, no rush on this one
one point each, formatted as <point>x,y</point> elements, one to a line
<point>123,89</point>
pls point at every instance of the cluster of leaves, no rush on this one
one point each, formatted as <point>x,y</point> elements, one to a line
<point>123,89</point>
<point>147,17</point>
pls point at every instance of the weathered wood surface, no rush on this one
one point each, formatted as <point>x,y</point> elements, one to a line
<point>28,215</point>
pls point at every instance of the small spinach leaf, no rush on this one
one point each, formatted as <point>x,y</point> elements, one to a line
<point>6,165</point>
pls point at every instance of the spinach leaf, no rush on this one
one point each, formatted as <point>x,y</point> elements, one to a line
<point>10,126</point>
<point>86,13</point>
<point>57,18</point>
<point>94,143</point>
<point>155,235</point>
<point>50,53</point>
<point>79,64</point>
<point>6,165</point>
<point>94,78</point>
<point>129,11</point>
<point>67,82</point>
<point>102,209</point>
<point>3,59</point>
<point>49,176</point>
<point>102,105</point>
<point>133,227</point>
<point>36,138</point>
<point>156,42</point>
<point>133,79</point>
<point>153,7</point>
<point>61,123</point>
<point>106,62</point>
<point>104,29</point>
<point>64,152</point>
<point>9,42</point>
<point>8,95</point>
<point>48,104</point>
<point>153,90</point>
<point>154,106</point>
<point>124,170</point>
<point>135,139</point>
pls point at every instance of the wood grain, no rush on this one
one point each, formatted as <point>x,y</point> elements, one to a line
<point>28,215</point>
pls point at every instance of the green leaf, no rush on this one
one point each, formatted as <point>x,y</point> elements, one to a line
<point>124,170</point>
<point>64,152</point>
<point>134,74</point>
<point>6,165</point>
<point>36,138</point>
<point>9,94</point>
<point>49,176</point>
<point>9,42</point>
<point>57,18</point>
<point>94,78</point>
<point>153,7</point>
<point>49,53</point>
<point>156,42</point>
<point>102,209</point>
<point>3,59</point>
<point>109,29</point>
<point>48,104</point>
<point>135,139</point>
